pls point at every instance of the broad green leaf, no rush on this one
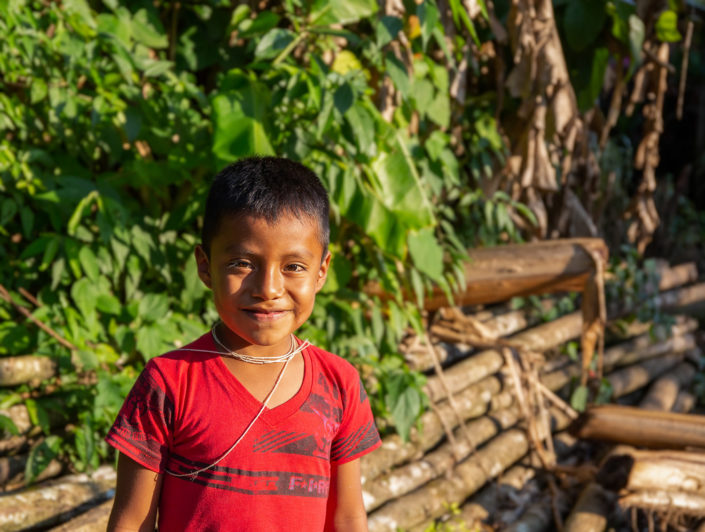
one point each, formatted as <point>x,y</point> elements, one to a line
<point>7,211</point>
<point>239,120</point>
<point>439,110</point>
<point>345,61</point>
<point>405,410</point>
<point>157,68</point>
<point>667,27</point>
<point>264,22</point>
<point>387,29</point>
<point>588,94</point>
<point>426,253</point>
<point>583,21</point>
<point>89,263</point>
<point>38,415</point>
<point>400,187</point>
<point>327,12</point>
<point>579,398</point>
<point>38,91</point>
<point>147,29</point>
<point>274,42</point>
<point>8,426</point>
<point>343,98</point>
<point>362,126</point>
<point>83,294</point>
<point>428,18</point>
<point>397,72</point>
<point>153,307</point>
<point>108,304</point>
<point>41,456</point>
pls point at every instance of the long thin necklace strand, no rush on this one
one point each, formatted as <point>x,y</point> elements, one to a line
<point>304,345</point>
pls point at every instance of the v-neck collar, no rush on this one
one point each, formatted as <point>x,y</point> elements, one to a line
<point>271,416</point>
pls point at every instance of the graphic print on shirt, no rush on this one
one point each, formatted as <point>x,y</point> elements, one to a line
<point>146,404</point>
<point>328,418</point>
<point>253,482</point>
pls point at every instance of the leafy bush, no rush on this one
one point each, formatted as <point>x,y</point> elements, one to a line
<point>114,115</point>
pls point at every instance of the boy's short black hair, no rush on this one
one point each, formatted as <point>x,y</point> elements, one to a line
<point>265,187</point>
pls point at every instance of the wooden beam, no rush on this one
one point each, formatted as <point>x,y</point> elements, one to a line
<point>500,273</point>
<point>645,428</point>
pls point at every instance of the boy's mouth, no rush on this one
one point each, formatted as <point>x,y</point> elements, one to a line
<point>265,315</point>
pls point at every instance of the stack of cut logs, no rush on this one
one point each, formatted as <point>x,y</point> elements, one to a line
<point>473,464</point>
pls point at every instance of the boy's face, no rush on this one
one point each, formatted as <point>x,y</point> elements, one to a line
<point>264,277</point>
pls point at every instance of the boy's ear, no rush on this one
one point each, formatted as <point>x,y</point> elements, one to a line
<point>323,272</point>
<point>203,265</point>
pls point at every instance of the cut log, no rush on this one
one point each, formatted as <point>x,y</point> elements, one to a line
<point>434,464</point>
<point>484,363</point>
<point>19,416</point>
<point>94,520</point>
<point>50,504</point>
<point>632,378</point>
<point>684,402</point>
<point>501,273</point>
<point>590,511</point>
<point>662,394</point>
<point>680,298</point>
<point>646,428</point>
<point>654,471</point>
<point>674,276</point>
<point>635,350</point>
<point>431,500</point>
<point>474,401</point>
<point>25,368</point>
<point>666,502</point>
<point>486,502</point>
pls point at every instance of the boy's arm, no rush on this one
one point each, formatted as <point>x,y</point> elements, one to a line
<point>346,510</point>
<point>136,497</point>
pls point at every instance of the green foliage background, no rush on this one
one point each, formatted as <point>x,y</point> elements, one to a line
<point>115,115</point>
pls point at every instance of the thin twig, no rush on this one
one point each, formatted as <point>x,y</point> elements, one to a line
<point>29,296</point>
<point>684,68</point>
<point>6,296</point>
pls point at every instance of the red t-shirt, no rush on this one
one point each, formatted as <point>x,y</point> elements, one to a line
<point>186,409</point>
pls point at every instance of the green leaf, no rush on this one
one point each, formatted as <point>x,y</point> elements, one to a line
<point>405,409</point>
<point>89,263</point>
<point>108,304</point>
<point>8,426</point>
<point>343,98</point>
<point>81,209</point>
<point>667,27</point>
<point>27,219</point>
<point>153,307</point>
<point>274,42</point>
<point>397,72</point>
<point>327,12</point>
<point>7,211</point>
<point>428,19</point>
<point>38,415</point>
<point>264,22</point>
<point>426,253</point>
<point>148,30</point>
<point>38,91</point>
<point>583,21</point>
<point>41,456</point>
<point>157,68</point>
<point>387,29</point>
<point>578,400</point>
<point>439,110</point>
<point>240,115</point>
<point>83,294</point>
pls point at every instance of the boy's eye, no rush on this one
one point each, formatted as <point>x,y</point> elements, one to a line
<point>239,264</point>
<point>295,268</point>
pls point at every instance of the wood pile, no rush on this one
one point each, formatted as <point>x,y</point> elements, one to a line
<point>481,459</point>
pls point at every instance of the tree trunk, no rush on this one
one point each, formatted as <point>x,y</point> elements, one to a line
<point>94,520</point>
<point>25,368</point>
<point>478,366</point>
<point>646,428</point>
<point>50,504</point>
<point>434,464</point>
<point>431,500</point>
<point>668,471</point>
<point>590,512</point>
<point>664,391</point>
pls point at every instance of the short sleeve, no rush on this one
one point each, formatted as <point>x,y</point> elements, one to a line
<point>143,428</point>
<point>357,434</point>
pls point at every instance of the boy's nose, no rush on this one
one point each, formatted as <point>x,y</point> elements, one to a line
<point>269,284</point>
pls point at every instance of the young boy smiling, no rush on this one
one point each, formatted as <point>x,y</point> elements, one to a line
<point>248,427</point>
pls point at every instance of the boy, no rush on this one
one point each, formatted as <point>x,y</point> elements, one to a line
<point>248,428</point>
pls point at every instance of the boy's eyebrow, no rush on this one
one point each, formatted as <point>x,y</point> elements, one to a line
<point>296,253</point>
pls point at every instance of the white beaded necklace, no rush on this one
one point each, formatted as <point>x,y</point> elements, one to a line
<point>255,359</point>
